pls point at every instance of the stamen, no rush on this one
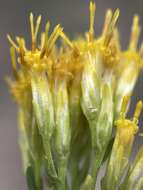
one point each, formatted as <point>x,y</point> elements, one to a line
<point>13,60</point>
<point>12,42</point>
<point>45,40</point>
<point>117,38</point>
<point>68,41</point>
<point>136,29</point>
<point>111,27</point>
<point>42,40</point>
<point>23,42</point>
<point>47,30</point>
<point>55,34</point>
<point>124,106</point>
<point>92,8</point>
<point>37,26</point>
<point>107,21</point>
<point>115,18</point>
<point>137,112</point>
<point>32,32</point>
<point>21,48</point>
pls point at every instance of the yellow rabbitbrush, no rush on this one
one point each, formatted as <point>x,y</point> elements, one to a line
<point>69,98</point>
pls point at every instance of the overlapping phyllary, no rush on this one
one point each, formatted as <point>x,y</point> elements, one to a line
<point>71,98</point>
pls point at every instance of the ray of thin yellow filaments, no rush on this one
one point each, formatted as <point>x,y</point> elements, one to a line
<point>92,9</point>
<point>42,40</point>
<point>116,36</point>
<point>115,18</point>
<point>12,43</point>
<point>124,106</point>
<point>137,112</point>
<point>45,40</point>
<point>107,21</point>
<point>135,33</point>
<point>32,31</point>
<point>69,43</point>
<point>23,42</point>
<point>66,39</point>
<point>47,31</point>
<point>111,27</point>
<point>21,48</point>
<point>13,61</point>
<point>38,22</point>
<point>52,39</point>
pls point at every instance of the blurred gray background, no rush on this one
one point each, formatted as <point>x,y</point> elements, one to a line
<point>73,16</point>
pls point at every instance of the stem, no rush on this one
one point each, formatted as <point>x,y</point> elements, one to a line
<point>38,179</point>
<point>62,171</point>
<point>96,160</point>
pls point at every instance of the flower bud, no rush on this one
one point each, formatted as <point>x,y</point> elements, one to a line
<point>90,89</point>
<point>103,129</point>
<point>80,134</point>
<point>44,115</point>
<point>43,105</point>
<point>62,120</point>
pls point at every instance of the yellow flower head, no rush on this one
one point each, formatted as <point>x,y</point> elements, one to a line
<point>38,58</point>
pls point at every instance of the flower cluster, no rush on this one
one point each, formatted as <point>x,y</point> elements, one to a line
<point>70,98</point>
